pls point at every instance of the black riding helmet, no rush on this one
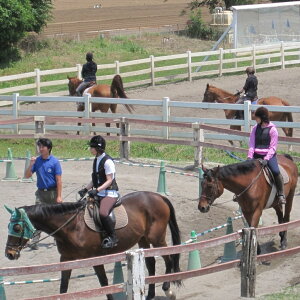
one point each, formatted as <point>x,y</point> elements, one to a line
<point>45,142</point>
<point>89,56</point>
<point>98,142</point>
<point>263,114</point>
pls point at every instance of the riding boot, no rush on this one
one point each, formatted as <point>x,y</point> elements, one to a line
<point>34,242</point>
<point>109,223</point>
<point>280,186</point>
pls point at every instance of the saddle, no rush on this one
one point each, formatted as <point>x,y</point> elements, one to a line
<point>270,180</point>
<point>92,217</point>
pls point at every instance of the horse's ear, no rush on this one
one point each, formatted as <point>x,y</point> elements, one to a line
<point>203,168</point>
<point>216,170</point>
<point>68,77</point>
<point>18,213</point>
<point>8,209</point>
<point>207,85</point>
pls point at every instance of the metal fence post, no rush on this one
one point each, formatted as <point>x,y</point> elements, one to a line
<point>39,124</point>
<point>87,109</point>
<point>166,114</point>
<point>38,81</point>
<point>152,67</point>
<point>221,54</point>
<point>247,115</point>
<point>189,63</point>
<point>198,137</point>
<point>124,132</point>
<point>254,56</point>
<point>282,55</point>
<point>248,262</point>
<point>135,275</point>
<point>16,106</point>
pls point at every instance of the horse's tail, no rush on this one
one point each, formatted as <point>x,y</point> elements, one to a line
<point>176,239</point>
<point>117,90</point>
<point>289,118</point>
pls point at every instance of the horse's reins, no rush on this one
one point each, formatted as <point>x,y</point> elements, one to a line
<point>235,197</point>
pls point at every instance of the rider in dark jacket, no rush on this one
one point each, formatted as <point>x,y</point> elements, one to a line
<point>250,90</point>
<point>88,73</point>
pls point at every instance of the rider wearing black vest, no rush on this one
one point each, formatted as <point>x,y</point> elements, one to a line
<point>263,145</point>
<point>88,73</point>
<point>105,188</point>
<point>250,89</point>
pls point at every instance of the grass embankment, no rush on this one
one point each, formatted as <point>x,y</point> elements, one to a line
<point>78,149</point>
<point>290,293</point>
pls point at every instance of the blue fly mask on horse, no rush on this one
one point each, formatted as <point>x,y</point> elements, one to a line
<point>19,225</point>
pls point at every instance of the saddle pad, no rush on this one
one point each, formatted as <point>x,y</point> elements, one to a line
<point>286,179</point>
<point>283,172</point>
<point>121,218</point>
<point>86,91</point>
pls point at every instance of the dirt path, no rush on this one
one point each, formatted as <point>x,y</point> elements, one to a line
<point>222,285</point>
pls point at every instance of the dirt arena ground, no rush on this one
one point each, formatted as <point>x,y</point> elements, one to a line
<point>223,285</point>
<point>82,16</point>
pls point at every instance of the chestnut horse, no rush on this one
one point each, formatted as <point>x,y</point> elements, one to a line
<point>148,216</point>
<point>247,182</point>
<point>115,90</point>
<point>214,94</point>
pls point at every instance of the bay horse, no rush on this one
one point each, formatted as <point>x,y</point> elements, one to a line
<point>115,90</point>
<point>148,216</point>
<point>247,182</point>
<point>214,94</point>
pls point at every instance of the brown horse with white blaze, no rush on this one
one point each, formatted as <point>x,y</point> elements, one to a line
<point>247,181</point>
<point>115,90</point>
<point>215,94</point>
<point>149,214</point>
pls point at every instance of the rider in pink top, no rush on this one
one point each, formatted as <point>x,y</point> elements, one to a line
<point>263,144</point>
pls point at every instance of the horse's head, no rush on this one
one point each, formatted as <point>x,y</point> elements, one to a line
<point>209,95</point>
<point>212,188</point>
<point>20,230</point>
<point>73,84</point>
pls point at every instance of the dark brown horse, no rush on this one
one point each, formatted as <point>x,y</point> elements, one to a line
<point>247,182</point>
<point>214,94</point>
<point>115,90</point>
<point>148,216</point>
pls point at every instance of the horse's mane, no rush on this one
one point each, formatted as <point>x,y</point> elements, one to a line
<point>237,169</point>
<point>212,87</point>
<point>45,210</point>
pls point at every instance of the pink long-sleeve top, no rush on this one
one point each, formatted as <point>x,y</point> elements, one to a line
<point>268,152</point>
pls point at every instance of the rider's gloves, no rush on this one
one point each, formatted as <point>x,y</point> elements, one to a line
<point>264,162</point>
<point>82,192</point>
<point>93,193</point>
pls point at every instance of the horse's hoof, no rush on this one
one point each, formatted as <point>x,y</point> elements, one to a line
<point>283,247</point>
<point>171,295</point>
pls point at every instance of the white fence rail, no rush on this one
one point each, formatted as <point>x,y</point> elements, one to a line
<point>154,70</point>
<point>165,105</point>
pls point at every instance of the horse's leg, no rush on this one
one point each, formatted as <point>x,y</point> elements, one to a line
<point>279,213</point>
<point>286,218</point>
<point>253,221</point>
<point>79,108</point>
<point>101,274</point>
<point>65,277</point>
<point>235,127</point>
<point>150,264</point>
<point>113,108</point>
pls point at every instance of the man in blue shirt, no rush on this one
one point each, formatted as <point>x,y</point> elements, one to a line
<point>48,172</point>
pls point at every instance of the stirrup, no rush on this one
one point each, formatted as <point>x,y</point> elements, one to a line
<point>109,242</point>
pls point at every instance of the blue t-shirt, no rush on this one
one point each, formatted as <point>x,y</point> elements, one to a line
<point>46,170</point>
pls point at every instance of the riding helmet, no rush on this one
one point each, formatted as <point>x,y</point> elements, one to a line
<point>98,142</point>
<point>263,114</point>
<point>89,56</point>
<point>250,70</point>
<point>45,142</point>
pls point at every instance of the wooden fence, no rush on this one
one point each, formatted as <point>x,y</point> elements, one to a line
<point>166,106</point>
<point>154,70</point>
<point>136,279</point>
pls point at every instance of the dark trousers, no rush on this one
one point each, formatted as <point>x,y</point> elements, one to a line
<point>82,86</point>
<point>106,206</point>
<point>272,163</point>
